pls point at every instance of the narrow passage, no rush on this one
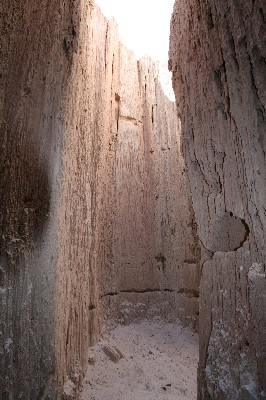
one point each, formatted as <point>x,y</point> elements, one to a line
<point>151,360</point>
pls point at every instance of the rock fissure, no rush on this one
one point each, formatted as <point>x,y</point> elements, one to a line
<point>142,291</point>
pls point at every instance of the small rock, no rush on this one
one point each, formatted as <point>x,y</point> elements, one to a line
<point>113,353</point>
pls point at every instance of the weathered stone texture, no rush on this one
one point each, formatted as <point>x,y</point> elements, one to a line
<point>155,252</point>
<point>94,207</point>
<point>217,56</point>
<point>33,72</point>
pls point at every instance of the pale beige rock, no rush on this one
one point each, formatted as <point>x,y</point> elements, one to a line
<point>154,245</point>
<point>113,353</point>
<point>94,205</point>
<point>217,56</point>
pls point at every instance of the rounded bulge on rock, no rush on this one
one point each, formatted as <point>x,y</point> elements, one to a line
<point>227,233</point>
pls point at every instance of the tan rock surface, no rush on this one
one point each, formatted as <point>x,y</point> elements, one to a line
<point>93,200</point>
<point>155,251</point>
<point>34,70</point>
<point>217,56</point>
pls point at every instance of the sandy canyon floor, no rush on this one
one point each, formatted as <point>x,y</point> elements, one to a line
<point>151,360</point>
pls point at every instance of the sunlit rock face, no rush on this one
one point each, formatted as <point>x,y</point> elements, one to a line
<point>95,219</point>
<point>153,263</point>
<point>217,57</point>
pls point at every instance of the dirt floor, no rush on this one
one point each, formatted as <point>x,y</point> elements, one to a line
<point>151,360</point>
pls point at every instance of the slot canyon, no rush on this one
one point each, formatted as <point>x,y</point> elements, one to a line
<point>121,209</point>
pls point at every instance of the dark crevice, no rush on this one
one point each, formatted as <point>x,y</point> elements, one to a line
<point>105,50</point>
<point>246,234</point>
<point>110,294</point>
<point>186,291</point>
<point>190,261</point>
<point>117,100</point>
<point>66,45</point>
<point>189,292</point>
<point>2,278</point>
<point>261,124</point>
<point>143,291</point>
<point>73,32</point>
<point>197,165</point>
<point>263,16</point>
<point>218,80</point>
<point>210,23</point>
<point>253,82</point>
<point>232,46</point>
<point>160,258</point>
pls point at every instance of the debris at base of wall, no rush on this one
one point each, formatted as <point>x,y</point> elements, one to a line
<point>113,353</point>
<point>69,389</point>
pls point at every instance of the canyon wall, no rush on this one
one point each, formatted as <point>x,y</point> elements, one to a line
<point>154,263</point>
<point>217,56</point>
<point>34,71</point>
<point>95,219</point>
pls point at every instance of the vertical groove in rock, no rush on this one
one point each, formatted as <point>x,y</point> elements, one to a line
<point>217,56</point>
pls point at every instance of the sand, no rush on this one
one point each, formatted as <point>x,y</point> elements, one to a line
<point>159,362</point>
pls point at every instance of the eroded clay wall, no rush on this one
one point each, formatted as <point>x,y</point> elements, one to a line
<point>34,70</point>
<point>95,218</point>
<point>217,56</point>
<point>87,126</point>
<point>155,269</point>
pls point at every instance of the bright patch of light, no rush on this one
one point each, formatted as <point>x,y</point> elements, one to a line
<point>144,27</point>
